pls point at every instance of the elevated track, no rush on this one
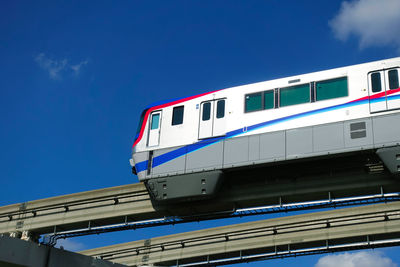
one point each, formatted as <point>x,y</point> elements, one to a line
<point>75,211</point>
<point>130,207</point>
<point>335,230</point>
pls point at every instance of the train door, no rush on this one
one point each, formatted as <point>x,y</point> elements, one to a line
<point>219,124</point>
<point>392,88</point>
<point>212,118</point>
<point>383,85</point>
<point>153,138</point>
<point>377,92</point>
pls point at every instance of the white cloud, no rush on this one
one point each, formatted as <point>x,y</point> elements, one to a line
<point>70,245</point>
<point>76,68</point>
<point>374,22</point>
<point>358,259</point>
<point>56,68</point>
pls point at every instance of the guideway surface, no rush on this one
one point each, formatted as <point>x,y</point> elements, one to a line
<point>340,229</point>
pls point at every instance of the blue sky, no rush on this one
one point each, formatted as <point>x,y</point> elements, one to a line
<point>75,76</point>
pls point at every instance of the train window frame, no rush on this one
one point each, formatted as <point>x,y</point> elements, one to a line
<point>219,114</point>
<point>177,115</point>
<point>331,96</point>
<point>391,81</point>
<point>289,88</point>
<point>276,97</point>
<point>313,92</point>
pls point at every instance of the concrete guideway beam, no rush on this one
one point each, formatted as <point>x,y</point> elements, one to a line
<point>75,210</point>
<point>371,224</point>
<point>82,213</point>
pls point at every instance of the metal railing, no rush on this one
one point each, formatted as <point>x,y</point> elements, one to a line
<point>330,202</point>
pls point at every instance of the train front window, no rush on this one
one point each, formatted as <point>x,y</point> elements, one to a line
<point>140,122</point>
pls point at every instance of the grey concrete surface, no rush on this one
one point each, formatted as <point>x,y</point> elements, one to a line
<point>15,252</point>
<point>105,206</point>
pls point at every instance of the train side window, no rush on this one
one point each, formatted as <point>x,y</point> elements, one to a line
<point>220,109</point>
<point>269,99</point>
<point>376,82</point>
<point>206,111</point>
<point>155,121</point>
<point>393,79</point>
<point>294,95</point>
<point>333,88</point>
<point>253,102</point>
<point>177,115</point>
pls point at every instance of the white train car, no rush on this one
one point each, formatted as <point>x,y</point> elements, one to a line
<point>184,146</point>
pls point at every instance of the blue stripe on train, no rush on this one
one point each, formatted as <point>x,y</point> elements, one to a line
<point>141,166</point>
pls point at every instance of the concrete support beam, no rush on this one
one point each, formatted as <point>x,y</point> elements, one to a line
<point>16,252</point>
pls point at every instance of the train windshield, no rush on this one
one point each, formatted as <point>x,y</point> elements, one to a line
<point>140,123</point>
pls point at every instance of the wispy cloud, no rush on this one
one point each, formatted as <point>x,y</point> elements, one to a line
<point>375,23</point>
<point>77,68</point>
<point>57,67</point>
<point>70,245</point>
<point>358,259</point>
<point>54,67</point>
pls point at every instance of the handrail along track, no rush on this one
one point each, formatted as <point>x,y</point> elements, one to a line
<point>168,220</point>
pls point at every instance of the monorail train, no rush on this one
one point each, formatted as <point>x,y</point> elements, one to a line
<point>184,146</point>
